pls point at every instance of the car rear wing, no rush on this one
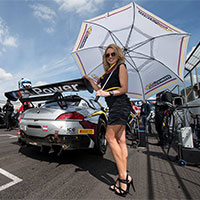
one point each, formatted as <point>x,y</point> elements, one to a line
<point>48,97</point>
<point>58,97</point>
<point>66,86</point>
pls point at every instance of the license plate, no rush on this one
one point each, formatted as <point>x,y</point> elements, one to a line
<point>85,131</point>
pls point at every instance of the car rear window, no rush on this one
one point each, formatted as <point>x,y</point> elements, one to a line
<point>56,105</point>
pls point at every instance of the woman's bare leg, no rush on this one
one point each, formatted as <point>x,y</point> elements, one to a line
<point>121,139</point>
<point>115,135</point>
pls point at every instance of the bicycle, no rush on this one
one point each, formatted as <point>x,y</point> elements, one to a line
<point>173,121</point>
<point>132,128</point>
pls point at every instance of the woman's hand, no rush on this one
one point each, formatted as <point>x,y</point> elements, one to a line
<point>102,93</point>
<point>86,77</point>
<point>94,85</point>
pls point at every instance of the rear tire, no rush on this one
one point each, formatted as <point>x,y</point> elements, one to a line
<point>101,143</point>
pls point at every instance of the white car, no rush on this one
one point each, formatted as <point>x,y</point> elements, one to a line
<point>69,122</point>
<point>72,122</point>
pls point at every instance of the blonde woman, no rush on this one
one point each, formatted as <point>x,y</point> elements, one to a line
<point>119,105</point>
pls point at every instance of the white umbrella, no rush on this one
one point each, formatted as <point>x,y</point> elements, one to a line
<point>155,50</point>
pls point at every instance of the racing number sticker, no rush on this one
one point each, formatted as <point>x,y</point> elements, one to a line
<point>86,131</point>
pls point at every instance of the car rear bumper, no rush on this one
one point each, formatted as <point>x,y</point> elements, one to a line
<point>64,141</point>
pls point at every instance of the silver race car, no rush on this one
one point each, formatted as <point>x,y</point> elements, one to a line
<point>62,122</point>
<point>71,123</point>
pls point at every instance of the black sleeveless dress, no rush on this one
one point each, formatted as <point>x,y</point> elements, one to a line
<point>119,106</point>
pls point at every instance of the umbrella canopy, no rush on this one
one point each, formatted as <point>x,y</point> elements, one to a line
<point>154,50</point>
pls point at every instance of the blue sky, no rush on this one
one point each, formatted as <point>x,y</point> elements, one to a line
<point>37,37</point>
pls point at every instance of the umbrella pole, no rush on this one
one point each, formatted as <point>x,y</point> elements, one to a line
<point>142,86</point>
<point>97,97</point>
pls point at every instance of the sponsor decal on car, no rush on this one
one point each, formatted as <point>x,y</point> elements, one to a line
<point>71,130</point>
<point>86,131</point>
<point>64,88</point>
<point>33,143</point>
<point>45,128</point>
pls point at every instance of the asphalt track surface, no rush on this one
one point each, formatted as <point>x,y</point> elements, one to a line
<point>26,173</point>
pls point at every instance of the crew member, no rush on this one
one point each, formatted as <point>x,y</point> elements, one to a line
<point>196,91</point>
<point>135,108</point>
<point>8,108</point>
<point>145,112</point>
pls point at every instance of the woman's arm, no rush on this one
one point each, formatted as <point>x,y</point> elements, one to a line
<point>94,85</point>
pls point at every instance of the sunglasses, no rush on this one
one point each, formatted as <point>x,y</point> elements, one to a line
<point>113,54</point>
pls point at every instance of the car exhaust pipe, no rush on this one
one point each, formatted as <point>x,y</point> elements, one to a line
<point>60,152</point>
<point>51,150</point>
<point>62,149</point>
<point>41,149</point>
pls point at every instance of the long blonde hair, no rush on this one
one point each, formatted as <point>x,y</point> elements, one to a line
<point>119,53</point>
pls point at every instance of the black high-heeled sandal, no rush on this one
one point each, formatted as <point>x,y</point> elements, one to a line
<point>114,186</point>
<point>123,192</point>
<point>130,182</point>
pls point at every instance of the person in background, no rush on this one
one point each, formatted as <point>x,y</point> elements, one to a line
<point>135,108</point>
<point>39,105</point>
<point>196,91</point>
<point>2,119</point>
<point>25,106</point>
<point>119,105</point>
<point>159,115</point>
<point>8,108</point>
<point>145,112</point>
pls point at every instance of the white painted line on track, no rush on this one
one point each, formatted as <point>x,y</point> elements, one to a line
<point>8,135</point>
<point>14,179</point>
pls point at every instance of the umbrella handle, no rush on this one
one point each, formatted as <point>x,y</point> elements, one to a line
<point>97,98</point>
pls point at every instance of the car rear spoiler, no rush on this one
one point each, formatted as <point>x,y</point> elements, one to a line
<point>66,86</point>
<point>49,97</point>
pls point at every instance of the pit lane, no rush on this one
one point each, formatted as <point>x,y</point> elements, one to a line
<point>83,175</point>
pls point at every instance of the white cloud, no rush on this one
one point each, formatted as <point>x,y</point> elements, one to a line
<point>49,30</point>
<point>44,13</point>
<point>57,70</point>
<point>10,41</point>
<point>80,6</point>
<point>55,65</point>
<point>44,67</point>
<point>5,38</point>
<point>71,69</point>
<point>40,83</point>
<point>4,75</point>
<point>7,85</point>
